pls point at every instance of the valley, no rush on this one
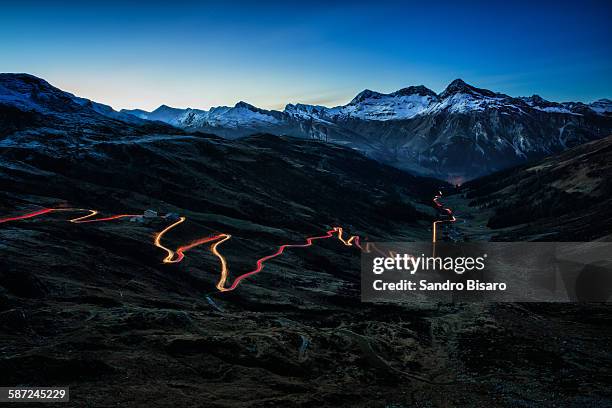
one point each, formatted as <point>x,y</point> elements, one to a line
<point>72,289</point>
<point>144,263</point>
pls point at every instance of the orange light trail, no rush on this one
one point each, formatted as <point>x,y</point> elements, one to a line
<point>224,270</point>
<point>85,219</point>
<point>180,252</point>
<point>176,256</point>
<point>347,242</point>
<point>77,220</point>
<point>80,219</point>
<point>157,242</point>
<point>435,223</point>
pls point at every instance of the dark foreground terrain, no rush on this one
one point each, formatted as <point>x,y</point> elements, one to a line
<point>92,306</point>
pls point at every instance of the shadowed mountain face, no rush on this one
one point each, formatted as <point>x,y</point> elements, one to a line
<point>29,104</point>
<point>564,197</point>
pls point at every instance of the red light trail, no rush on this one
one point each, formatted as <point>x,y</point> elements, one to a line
<point>26,216</point>
<point>260,262</point>
<point>77,220</point>
<point>179,254</point>
<point>176,256</point>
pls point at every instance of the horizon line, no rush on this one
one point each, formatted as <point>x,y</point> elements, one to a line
<point>280,107</point>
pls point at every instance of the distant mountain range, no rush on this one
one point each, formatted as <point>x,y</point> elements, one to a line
<point>462,133</point>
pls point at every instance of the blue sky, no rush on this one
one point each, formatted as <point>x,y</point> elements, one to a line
<point>201,54</point>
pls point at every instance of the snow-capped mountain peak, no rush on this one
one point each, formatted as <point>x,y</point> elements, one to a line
<point>163,113</point>
<point>364,95</point>
<point>31,93</point>
<point>242,114</point>
<point>244,105</point>
<point>458,86</point>
<point>414,90</point>
<point>370,105</point>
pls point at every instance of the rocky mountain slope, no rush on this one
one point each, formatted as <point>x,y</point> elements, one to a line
<point>565,197</point>
<point>31,104</point>
<point>459,134</point>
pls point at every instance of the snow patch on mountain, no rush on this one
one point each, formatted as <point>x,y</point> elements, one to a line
<point>385,107</point>
<point>303,111</point>
<point>463,103</point>
<point>370,105</point>
<point>555,109</point>
<point>240,115</point>
<point>463,130</point>
<point>602,106</point>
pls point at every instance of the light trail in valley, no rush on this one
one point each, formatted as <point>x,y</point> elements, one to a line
<point>26,216</point>
<point>84,217</point>
<point>157,242</point>
<point>77,220</point>
<point>179,254</point>
<point>215,241</point>
<point>82,220</point>
<point>260,262</point>
<point>224,270</point>
<point>176,256</point>
<point>448,211</point>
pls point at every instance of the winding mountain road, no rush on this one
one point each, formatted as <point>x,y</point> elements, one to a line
<point>177,255</point>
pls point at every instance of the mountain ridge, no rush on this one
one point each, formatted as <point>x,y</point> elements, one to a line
<point>457,86</point>
<point>460,134</point>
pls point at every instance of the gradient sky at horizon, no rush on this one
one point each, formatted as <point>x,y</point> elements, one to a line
<point>200,54</point>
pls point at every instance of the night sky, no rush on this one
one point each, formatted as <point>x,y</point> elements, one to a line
<point>200,55</point>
